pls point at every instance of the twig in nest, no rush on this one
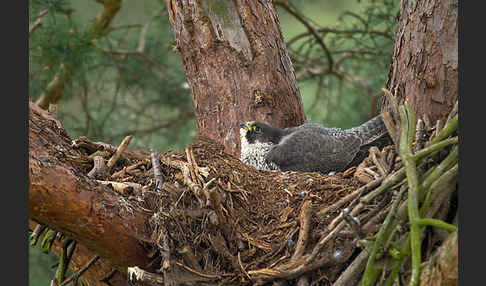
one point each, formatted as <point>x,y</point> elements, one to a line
<point>86,143</point>
<point>376,157</point>
<point>191,162</point>
<point>124,188</point>
<point>219,245</point>
<point>241,266</point>
<point>195,172</point>
<point>204,275</point>
<point>214,201</point>
<point>353,223</point>
<point>371,185</point>
<point>305,219</point>
<point>188,178</point>
<point>99,168</point>
<point>136,274</point>
<point>34,237</point>
<point>390,181</point>
<point>420,137</point>
<point>391,126</point>
<point>159,179</point>
<point>48,240</point>
<point>371,172</point>
<point>100,153</point>
<point>164,249</point>
<point>78,274</point>
<point>189,258</point>
<point>435,147</point>
<point>452,113</point>
<point>308,262</point>
<point>352,274</point>
<point>119,151</point>
<point>322,242</point>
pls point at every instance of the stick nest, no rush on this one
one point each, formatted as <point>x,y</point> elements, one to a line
<point>217,219</point>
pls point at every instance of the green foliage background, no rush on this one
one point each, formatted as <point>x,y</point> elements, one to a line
<point>113,93</point>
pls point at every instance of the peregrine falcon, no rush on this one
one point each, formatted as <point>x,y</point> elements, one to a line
<point>308,147</point>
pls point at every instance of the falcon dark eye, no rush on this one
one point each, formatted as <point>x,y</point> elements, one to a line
<point>258,129</point>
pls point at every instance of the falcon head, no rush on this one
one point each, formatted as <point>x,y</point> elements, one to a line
<point>259,132</point>
<point>257,139</point>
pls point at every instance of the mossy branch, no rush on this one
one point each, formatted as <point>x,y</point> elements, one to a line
<point>437,223</point>
<point>447,131</point>
<point>437,188</point>
<point>406,117</point>
<point>369,276</point>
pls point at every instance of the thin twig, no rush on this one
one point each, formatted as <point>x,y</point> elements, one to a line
<point>119,151</point>
<point>38,22</point>
<point>159,179</point>
<point>359,192</point>
<point>311,29</point>
<point>419,135</point>
<point>78,274</point>
<point>34,237</point>
<point>305,218</point>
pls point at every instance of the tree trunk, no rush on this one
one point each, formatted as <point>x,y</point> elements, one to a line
<point>237,66</point>
<point>425,58</point>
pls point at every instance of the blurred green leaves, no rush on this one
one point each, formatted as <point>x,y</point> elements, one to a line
<point>127,80</point>
<point>360,44</point>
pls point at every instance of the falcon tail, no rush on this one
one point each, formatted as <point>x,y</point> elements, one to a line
<point>370,130</point>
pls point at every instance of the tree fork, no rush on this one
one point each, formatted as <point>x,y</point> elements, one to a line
<point>237,66</point>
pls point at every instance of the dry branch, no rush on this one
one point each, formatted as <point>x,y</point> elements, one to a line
<point>56,186</point>
<point>119,151</point>
<point>38,22</point>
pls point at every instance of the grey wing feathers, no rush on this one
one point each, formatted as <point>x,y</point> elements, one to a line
<point>311,147</point>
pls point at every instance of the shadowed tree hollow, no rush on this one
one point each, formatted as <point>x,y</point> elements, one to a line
<point>202,216</point>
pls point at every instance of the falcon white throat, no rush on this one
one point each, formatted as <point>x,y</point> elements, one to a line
<point>254,154</point>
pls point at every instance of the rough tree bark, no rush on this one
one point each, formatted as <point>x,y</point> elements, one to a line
<point>61,197</point>
<point>237,66</point>
<point>425,57</point>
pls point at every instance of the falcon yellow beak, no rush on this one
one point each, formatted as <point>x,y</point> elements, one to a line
<point>246,125</point>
